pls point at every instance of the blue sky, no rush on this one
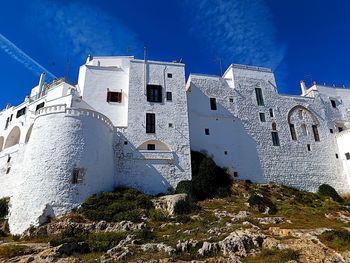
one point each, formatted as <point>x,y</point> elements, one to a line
<point>298,39</point>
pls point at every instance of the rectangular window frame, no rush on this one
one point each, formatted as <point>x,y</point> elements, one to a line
<point>213,104</point>
<point>275,139</point>
<point>169,96</point>
<point>259,96</point>
<point>77,175</point>
<point>39,106</point>
<point>262,116</point>
<point>151,147</point>
<point>206,131</point>
<point>316,134</point>
<point>293,132</point>
<point>333,103</point>
<point>154,93</point>
<point>150,123</point>
<point>114,96</point>
<point>21,112</point>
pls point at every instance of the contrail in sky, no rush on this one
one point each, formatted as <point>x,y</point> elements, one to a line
<point>17,54</point>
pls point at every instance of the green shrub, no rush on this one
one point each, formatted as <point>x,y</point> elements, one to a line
<point>101,242</point>
<point>159,215</point>
<point>261,203</point>
<point>4,207</point>
<point>145,235</point>
<point>183,219</point>
<point>336,239</point>
<point>274,256</point>
<point>184,207</point>
<point>329,191</point>
<point>70,235</point>
<point>2,233</point>
<point>184,187</point>
<point>9,251</point>
<point>121,204</point>
<point>16,237</point>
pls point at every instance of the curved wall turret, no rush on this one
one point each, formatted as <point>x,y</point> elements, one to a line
<point>69,156</point>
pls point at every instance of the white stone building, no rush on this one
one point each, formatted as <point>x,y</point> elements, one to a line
<point>124,124</point>
<point>247,126</point>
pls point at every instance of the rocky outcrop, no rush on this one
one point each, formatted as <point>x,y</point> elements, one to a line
<point>168,202</point>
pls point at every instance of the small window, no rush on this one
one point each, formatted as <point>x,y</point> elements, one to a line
<point>274,126</point>
<point>206,130</point>
<point>150,123</point>
<point>309,147</point>
<point>262,117</point>
<point>259,96</point>
<point>170,125</point>
<point>225,152</point>
<point>170,75</point>
<point>271,112</point>
<point>125,143</point>
<point>340,129</point>
<point>8,170</point>
<point>7,123</point>
<point>169,96</point>
<point>8,158</point>
<point>154,93</point>
<point>77,175</point>
<point>21,112</point>
<point>336,156</point>
<point>316,135</point>
<point>212,103</point>
<point>39,106</point>
<point>151,147</point>
<point>11,117</point>
<point>347,156</point>
<point>275,139</point>
<point>334,105</point>
<point>114,96</point>
<point>231,99</point>
<point>331,130</point>
<point>292,132</point>
<point>235,174</point>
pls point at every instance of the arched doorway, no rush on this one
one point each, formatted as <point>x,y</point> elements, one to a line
<point>13,137</point>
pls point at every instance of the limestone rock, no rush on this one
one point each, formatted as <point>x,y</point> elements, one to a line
<point>168,202</point>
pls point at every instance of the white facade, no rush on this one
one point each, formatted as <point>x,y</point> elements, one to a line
<point>81,141</point>
<point>240,140</point>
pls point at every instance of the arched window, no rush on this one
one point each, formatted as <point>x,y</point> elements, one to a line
<point>154,145</point>
<point>13,137</point>
<point>274,126</point>
<point>29,132</point>
<point>1,142</point>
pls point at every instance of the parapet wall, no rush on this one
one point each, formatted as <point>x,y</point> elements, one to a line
<point>62,139</point>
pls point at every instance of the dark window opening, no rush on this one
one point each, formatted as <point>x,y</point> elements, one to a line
<point>235,174</point>
<point>21,112</point>
<point>8,170</point>
<point>212,103</point>
<point>336,156</point>
<point>151,147</point>
<point>331,130</point>
<point>150,123</point>
<point>170,125</point>
<point>206,131</point>
<point>309,147</point>
<point>8,158</point>
<point>154,93</point>
<point>114,96</point>
<point>316,135</point>
<point>77,175</point>
<point>259,96</point>
<point>262,117</point>
<point>334,105</point>
<point>231,99</point>
<point>274,126</point>
<point>225,152</point>
<point>271,112</point>
<point>39,106</point>
<point>7,123</point>
<point>275,139</point>
<point>340,129</point>
<point>170,75</point>
<point>169,96</point>
<point>347,156</point>
<point>292,132</point>
<point>125,142</point>
<point>11,117</point>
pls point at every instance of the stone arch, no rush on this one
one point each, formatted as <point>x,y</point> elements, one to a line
<point>1,142</point>
<point>303,108</point>
<point>29,132</point>
<point>13,137</point>
<point>158,145</point>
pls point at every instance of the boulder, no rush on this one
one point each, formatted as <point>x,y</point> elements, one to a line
<point>168,202</point>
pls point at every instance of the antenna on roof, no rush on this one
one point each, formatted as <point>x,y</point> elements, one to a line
<point>180,61</point>
<point>67,68</point>
<point>144,53</point>
<point>219,58</point>
<point>128,49</point>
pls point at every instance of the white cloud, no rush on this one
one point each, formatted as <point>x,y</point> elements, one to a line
<point>76,28</point>
<point>16,53</point>
<point>240,31</point>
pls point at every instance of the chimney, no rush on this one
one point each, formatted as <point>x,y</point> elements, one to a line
<point>41,83</point>
<point>303,87</point>
<point>89,58</point>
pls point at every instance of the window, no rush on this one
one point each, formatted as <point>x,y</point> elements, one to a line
<point>347,156</point>
<point>271,112</point>
<point>331,130</point>
<point>170,125</point>
<point>169,96</point>
<point>77,175</point>
<point>274,126</point>
<point>275,139</point>
<point>305,129</point>
<point>7,123</point>
<point>259,96</point>
<point>212,103</point>
<point>336,156</point>
<point>154,93</point>
<point>309,147</point>
<point>151,147</point>
<point>231,99</point>
<point>340,129</point>
<point>114,96</point>
<point>150,123</point>
<point>316,135</point>
<point>334,105</point>
<point>8,158</point>
<point>225,152</point>
<point>125,143</point>
<point>206,131</point>
<point>262,116</point>
<point>292,132</point>
<point>8,170</point>
<point>39,106</point>
<point>235,174</point>
<point>21,112</point>
<point>170,75</point>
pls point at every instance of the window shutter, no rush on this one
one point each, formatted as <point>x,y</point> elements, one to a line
<point>109,95</point>
<point>119,97</point>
